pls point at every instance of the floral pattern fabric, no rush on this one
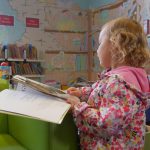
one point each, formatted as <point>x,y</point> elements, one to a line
<point>111,115</point>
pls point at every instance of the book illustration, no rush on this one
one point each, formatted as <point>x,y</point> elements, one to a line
<point>40,87</point>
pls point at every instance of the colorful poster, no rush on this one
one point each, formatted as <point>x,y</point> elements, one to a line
<point>6,20</point>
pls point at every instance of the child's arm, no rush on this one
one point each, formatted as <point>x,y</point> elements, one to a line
<point>82,92</point>
<point>118,112</point>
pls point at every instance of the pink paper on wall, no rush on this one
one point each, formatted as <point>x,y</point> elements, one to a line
<point>32,22</point>
<point>6,20</point>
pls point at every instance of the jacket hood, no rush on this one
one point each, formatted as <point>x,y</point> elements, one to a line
<point>134,76</point>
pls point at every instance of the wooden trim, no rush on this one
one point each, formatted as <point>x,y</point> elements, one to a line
<point>94,31</point>
<point>66,52</point>
<point>64,31</point>
<point>109,6</point>
<point>35,60</point>
<point>22,60</point>
<point>90,52</point>
<point>15,59</point>
<point>2,59</point>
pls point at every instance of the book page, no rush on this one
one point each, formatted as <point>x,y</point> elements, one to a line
<point>33,104</point>
<point>40,87</point>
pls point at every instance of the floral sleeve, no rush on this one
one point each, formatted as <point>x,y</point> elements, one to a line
<point>86,91</point>
<point>118,105</point>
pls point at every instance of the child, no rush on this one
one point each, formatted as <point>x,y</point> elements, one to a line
<point>111,113</point>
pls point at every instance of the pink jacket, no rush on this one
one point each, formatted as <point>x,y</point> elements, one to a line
<point>112,112</point>
<point>134,76</point>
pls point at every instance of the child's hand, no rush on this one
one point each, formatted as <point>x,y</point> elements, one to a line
<point>74,91</point>
<point>73,100</point>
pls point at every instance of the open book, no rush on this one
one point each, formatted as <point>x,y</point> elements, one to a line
<point>36,101</point>
<point>40,87</point>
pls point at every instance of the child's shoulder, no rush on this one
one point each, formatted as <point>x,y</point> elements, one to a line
<point>115,81</point>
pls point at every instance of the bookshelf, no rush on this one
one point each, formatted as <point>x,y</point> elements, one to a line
<point>24,60</point>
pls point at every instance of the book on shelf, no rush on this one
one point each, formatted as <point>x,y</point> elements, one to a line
<point>31,52</point>
<point>26,68</point>
<point>1,52</point>
<point>13,51</point>
<point>34,100</point>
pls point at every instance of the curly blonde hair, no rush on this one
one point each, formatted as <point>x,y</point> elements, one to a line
<point>129,42</point>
